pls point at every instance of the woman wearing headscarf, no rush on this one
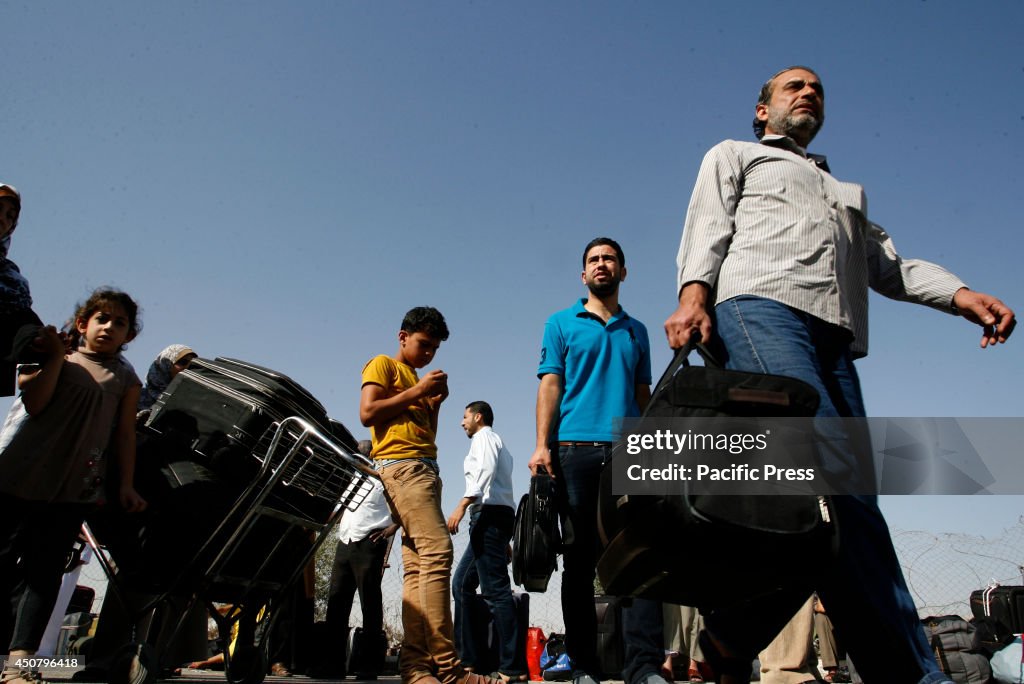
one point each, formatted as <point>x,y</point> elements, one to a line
<point>168,363</point>
<point>15,300</point>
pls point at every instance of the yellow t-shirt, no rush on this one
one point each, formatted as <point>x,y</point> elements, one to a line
<point>410,434</point>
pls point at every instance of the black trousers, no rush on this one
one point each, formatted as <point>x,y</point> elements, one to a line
<point>358,566</point>
<point>35,540</point>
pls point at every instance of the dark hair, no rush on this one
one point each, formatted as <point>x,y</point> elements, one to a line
<point>426,319</point>
<point>765,96</point>
<point>484,409</point>
<point>604,241</point>
<point>97,301</point>
<point>13,199</point>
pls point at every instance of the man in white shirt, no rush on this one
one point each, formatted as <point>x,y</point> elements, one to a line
<point>359,565</point>
<point>489,500</point>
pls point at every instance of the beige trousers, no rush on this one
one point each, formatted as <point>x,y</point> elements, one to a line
<point>682,625</point>
<point>830,655</point>
<point>789,658</point>
<point>414,491</point>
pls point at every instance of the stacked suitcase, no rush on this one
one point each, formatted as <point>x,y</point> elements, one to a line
<point>238,401</point>
<point>245,474</point>
<point>212,427</point>
<point>1002,603</point>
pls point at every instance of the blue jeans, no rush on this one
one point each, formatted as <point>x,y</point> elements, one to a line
<point>578,468</point>
<point>485,564</point>
<point>864,592</point>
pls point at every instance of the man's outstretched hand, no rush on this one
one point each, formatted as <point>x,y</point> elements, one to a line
<point>996,319</point>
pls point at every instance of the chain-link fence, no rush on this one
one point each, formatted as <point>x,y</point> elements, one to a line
<point>545,609</point>
<point>941,570</point>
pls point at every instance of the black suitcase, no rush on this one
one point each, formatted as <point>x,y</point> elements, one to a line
<point>169,546</point>
<point>611,653</point>
<point>1003,603</point>
<point>485,636</point>
<point>234,401</point>
<point>186,500</point>
<point>200,448</point>
<point>642,558</point>
<point>536,540</point>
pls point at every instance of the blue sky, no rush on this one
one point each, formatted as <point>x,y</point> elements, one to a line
<point>280,182</point>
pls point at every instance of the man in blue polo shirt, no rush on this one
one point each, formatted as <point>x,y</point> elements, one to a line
<point>595,367</point>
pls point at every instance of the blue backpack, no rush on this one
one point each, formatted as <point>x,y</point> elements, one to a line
<point>554,661</point>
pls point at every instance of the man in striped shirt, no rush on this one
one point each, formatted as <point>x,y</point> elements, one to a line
<point>784,253</point>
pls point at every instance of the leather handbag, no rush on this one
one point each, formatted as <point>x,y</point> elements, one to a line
<point>536,539</point>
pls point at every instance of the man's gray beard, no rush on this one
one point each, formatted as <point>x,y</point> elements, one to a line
<point>789,123</point>
<point>603,289</point>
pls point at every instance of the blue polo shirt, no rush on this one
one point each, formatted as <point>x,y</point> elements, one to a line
<point>601,365</point>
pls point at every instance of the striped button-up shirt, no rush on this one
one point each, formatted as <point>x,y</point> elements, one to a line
<point>764,220</point>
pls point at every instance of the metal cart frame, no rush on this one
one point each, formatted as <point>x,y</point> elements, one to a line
<point>298,463</point>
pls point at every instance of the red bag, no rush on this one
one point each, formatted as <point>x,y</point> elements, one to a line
<point>535,641</point>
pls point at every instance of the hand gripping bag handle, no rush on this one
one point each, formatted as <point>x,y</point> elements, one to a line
<point>680,359</point>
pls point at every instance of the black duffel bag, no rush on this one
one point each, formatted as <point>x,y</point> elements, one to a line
<point>705,550</point>
<point>536,541</point>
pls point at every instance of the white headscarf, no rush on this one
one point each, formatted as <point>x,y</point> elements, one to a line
<point>159,375</point>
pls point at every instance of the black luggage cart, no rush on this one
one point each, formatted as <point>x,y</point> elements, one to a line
<point>255,477</point>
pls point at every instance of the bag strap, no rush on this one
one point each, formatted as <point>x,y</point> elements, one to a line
<point>940,653</point>
<point>681,359</point>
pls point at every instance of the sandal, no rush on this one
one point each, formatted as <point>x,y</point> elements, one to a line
<point>14,676</point>
<point>694,675</point>
<point>501,676</point>
<point>280,670</point>
<point>474,678</point>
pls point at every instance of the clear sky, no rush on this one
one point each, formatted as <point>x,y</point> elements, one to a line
<point>280,182</point>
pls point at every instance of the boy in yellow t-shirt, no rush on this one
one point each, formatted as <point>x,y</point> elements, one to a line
<point>401,410</point>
